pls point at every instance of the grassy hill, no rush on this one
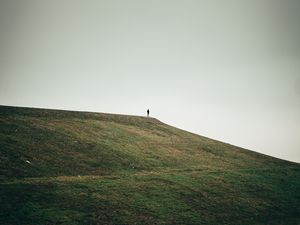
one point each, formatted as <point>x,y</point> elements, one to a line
<point>63,167</point>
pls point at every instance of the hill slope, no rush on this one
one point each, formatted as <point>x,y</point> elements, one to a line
<point>63,167</point>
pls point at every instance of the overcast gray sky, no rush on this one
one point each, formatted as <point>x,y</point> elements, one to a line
<point>226,69</point>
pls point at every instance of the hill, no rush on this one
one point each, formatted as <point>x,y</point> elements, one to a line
<point>64,167</point>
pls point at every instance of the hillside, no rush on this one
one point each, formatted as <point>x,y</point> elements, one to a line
<point>64,167</point>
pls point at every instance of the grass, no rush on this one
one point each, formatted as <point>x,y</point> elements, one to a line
<point>94,168</point>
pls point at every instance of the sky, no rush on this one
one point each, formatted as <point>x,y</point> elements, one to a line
<point>225,69</point>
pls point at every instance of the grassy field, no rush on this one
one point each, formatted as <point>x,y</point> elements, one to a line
<point>63,167</point>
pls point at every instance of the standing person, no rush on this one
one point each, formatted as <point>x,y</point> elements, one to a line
<point>148,112</point>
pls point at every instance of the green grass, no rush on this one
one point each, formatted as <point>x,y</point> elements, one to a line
<point>94,168</point>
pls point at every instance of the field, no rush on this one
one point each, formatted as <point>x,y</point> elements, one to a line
<point>64,167</point>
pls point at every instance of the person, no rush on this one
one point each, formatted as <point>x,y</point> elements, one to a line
<point>148,112</point>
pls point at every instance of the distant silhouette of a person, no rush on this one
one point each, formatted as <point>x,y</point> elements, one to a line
<point>148,112</point>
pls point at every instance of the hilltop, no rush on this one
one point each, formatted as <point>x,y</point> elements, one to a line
<point>66,167</point>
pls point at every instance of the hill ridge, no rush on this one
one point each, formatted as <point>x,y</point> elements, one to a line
<point>72,167</point>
